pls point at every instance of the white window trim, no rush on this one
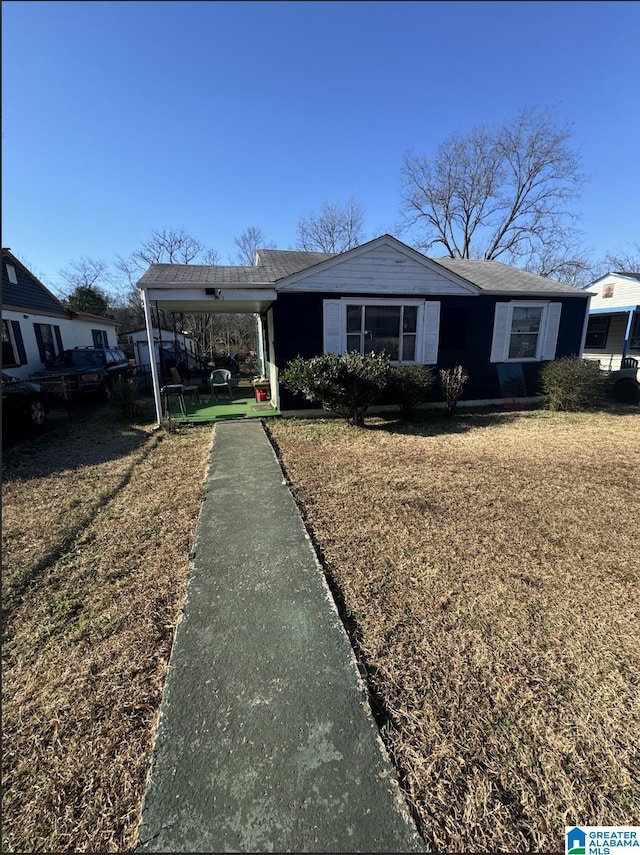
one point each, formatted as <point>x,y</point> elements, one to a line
<point>547,336</point>
<point>335,338</point>
<point>11,273</point>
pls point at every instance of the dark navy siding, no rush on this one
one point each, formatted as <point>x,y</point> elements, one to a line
<point>466,333</point>
<point>29,293</point>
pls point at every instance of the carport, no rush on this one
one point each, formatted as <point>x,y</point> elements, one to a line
<point>212,289</point>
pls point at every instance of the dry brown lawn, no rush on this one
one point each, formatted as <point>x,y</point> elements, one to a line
<point>490,566</point>
<point>98,523</point>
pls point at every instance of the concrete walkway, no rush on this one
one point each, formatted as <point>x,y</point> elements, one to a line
<point>265,741</point>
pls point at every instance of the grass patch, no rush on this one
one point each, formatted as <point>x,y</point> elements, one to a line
<point>98,523</point>
<point>490,568</point>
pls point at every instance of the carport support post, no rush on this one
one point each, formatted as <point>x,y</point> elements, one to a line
<point>152,354</point>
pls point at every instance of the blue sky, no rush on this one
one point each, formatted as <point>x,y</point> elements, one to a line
<point>123,117</point>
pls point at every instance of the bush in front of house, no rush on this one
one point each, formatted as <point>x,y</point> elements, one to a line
<point>571,383</point>
<point>408,386</point>
<point>124,394</point>
<point>346,385</point>
<point>452,383</point>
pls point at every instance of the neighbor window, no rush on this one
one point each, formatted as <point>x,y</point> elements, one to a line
<point>9,356</point>
<point>525,331</point>
<point>49,341</point>
<point>11,273</point>
<point>99,338</point>
<point>597,331</point>
<point>634,342</point>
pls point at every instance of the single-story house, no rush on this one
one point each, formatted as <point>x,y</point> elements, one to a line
<point>613,331</point>
<point>179,347</point>
<point>500,322</point>
<point>36,326</point>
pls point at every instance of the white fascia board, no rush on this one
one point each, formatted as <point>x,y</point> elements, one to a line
<point>187,295</point>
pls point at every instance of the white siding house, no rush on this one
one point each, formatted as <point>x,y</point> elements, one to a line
<point>36,326</point>
<point>613,332</point>
<point>174,344</point>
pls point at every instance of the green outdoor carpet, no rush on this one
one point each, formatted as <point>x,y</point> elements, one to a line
<point>211,411</point>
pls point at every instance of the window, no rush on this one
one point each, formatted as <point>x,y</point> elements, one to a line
<point>11,273</point>
<point>597,331</point>
<point>13,350</point>
<point>9,356</point>
<point>634,341</point>
<point>49,341</point>
<point>525,331</point>
<point>372,329</point>
<point>99,338</point>
<point>406,330</point>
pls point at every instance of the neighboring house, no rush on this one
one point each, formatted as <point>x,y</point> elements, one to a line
<point>178,347</point>
<point>36,326</point>
<point>614,319</point>
<point>500,322</point>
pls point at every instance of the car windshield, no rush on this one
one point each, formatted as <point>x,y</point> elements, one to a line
<point>77,359</point>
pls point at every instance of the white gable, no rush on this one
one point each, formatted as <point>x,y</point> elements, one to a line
<point>384,267</point>
<point>614,291</point>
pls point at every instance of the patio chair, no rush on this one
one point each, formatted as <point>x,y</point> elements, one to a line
<point>628,362</point>
<point>172,391</point>
<point>220,379</point>
<point>192,391</point>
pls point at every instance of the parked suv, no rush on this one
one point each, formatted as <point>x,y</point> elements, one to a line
<point>85,370</point>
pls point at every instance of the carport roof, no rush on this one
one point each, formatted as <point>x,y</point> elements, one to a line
<point>273,265</point>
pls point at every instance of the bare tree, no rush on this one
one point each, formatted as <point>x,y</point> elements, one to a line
<point>251,239</point>
<point>624,261</point>
<point>86,273</point>
<point>211,256</point>
<point>166,246</point>
<point>334,229</point>
<point>502,194</point>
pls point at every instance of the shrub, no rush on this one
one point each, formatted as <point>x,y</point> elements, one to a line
<point>408,386</point>
<point>124,394</point>
<point>452,382</point>
<point>346,385</point>
<point>571,383</point>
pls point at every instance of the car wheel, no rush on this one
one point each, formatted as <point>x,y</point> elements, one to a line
<point>627,391</point>
<point>37,413</point>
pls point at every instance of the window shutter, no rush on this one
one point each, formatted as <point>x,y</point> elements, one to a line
<point>551,332</point>
<point>332,310</point>
<point>17,337</point>
<point>430,332</point>
<point>500,333</point>
<point>40,343</point>
<point>56,331</point>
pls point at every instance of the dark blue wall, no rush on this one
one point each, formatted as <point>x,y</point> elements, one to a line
<point>466,332</point>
